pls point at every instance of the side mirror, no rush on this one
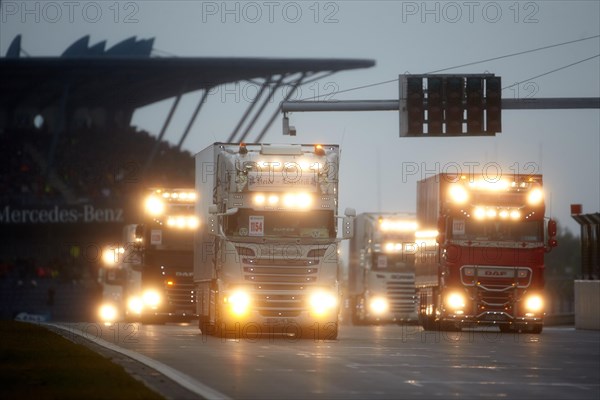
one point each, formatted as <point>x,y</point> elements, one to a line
<point>552,228</point>
<point>440,238</point>
<point>552,242</point>
<point>350,212</point>
<point>348,227</point>
<point>139,231</point>
<point>212,223</point>
<point>441,226</point>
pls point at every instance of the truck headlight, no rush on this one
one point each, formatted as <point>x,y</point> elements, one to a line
<point>535,197</point>
<point>154,206</point>
<point>534,303</point>
<point>300,201</point>
<point>458,194</point>
<point>135,305</point>
<point>151,298</point>
<point>239,302</point>
<point>379,305</point>
<point>455,301</point>
<point>322,302</point>
<point>108,313</point>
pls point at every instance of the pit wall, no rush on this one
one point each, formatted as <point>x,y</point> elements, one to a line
<point>587,304</point>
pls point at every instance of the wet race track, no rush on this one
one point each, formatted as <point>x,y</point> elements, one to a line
<point>375,362</point>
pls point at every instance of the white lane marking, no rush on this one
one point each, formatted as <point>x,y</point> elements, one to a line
<point>182,379</point>
<point>581,386</point>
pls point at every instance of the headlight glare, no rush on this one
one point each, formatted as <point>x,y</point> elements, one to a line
<point>322,302</point>
<point>455,301</point>
<point>239,302</point>
<point>535,197</point>
<point>154,206</point>
<point>135,305</point>
<point>151,298</point>
<point>107,313</point>
<point>458,194</point>
<point>534,303</point>
<point>378,305</point>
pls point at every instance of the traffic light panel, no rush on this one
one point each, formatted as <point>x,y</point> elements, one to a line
<point>450,105</point>
<point>475,105</point>
<point>454,105</point>
<point>493,104</point>
<point>435,105</point>
<point>414,105</point>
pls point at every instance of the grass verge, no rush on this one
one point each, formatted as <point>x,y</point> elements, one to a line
<point>36,363</point>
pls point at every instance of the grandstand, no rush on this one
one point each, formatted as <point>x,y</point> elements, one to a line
<point>73,167</point>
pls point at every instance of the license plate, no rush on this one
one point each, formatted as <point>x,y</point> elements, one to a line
<point>280,321</point>
<point>494,317</point>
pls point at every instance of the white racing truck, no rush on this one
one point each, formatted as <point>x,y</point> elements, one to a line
<point>381,276</point>
<point>266,252</point>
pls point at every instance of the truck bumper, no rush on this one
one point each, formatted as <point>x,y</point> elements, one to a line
<point>492,318</point>
<point>393,317</point>
<point>304,324</point>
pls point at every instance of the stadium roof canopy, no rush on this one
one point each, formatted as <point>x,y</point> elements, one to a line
<point>125,77</point>
<point>126,74</point>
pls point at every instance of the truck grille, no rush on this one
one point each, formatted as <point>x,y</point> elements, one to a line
<point>495,288</point>
<point>181,296</point>
<point>496,301</point>
<point>401,293</point>
<point>280,285</point>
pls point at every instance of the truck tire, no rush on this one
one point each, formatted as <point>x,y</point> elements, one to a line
<point>358,313</point>
<point>447,326</point>
<point>429,323</point>
<point>533,328</point>
<point>537,328</point>
<point>329,332</point>
<point>204,325</point>
<point>356,318</point>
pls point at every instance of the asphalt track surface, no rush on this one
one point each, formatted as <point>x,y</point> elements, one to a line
<point>374,362</point>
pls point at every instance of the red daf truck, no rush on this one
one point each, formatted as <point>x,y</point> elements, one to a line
<point>481,251</point>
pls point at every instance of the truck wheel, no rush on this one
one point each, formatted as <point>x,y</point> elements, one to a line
<point>429,324</point>
<point>218,330</point>
<point>537,328</point>
<point>318,331</point>
<point>358,312</point>
<point>449,327</point>
<point>328,332</point>
<point>205,326</point>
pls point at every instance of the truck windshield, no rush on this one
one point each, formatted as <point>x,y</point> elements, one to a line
<point>519,231</point>
<point>317,224</point>
<point>400,262</point>
<point>170,261</point>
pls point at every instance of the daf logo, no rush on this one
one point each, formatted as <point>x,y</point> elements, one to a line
<point>184,274</point>
<point>495,273</point>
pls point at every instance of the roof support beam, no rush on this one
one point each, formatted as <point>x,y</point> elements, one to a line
<point>193,118</point>
<point>262,107</point>
<point>162,131</point>
<point>278,110</point>
<point>263,87</point>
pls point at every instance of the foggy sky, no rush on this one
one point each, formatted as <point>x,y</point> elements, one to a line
<point>379,170</point>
